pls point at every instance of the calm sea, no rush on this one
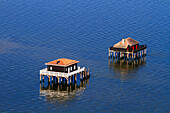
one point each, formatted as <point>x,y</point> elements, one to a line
<point>33,32</point>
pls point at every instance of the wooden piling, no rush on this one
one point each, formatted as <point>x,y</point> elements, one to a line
<point>43,78</point>
<point>109,53</point>
<point>70,79</point>
<point>52,79</point>
<point>40,78</point>
<point>49,79</point>
<point>58,80</point>
<point>75,77</point>
<point>81,75</point>
<point>67,80</point>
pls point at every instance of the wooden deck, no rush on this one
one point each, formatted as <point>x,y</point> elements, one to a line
<point>68,76</point>
<point>60,74</point>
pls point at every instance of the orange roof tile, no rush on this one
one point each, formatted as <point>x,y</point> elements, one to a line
<point>127,41</point>
<point>62,62</point>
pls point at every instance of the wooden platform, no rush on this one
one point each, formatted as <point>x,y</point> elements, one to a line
<point>68,76</point>
<point>127,54</point>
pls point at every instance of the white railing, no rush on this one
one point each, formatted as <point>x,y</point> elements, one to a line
<point>77,71</point>
<point>52,73</point>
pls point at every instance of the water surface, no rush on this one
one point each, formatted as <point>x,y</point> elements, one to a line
<point>34,32</point>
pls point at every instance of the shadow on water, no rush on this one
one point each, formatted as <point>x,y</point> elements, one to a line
<point>126,68</point>
<point>62,92</point>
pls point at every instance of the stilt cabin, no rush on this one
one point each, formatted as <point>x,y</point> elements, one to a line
<point>63,70</point>
<point>128,48</point>
<point>62,65</point>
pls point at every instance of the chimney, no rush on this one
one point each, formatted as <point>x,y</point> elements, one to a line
<point>123,41</point>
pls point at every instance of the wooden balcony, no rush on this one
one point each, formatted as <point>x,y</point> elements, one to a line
<point>61,74</point>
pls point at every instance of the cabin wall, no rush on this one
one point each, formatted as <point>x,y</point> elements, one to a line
<point>62,69</point>
<point>117,49</point>
<point>71,68</point>
<point>55,68</point>
<point>134,47</point>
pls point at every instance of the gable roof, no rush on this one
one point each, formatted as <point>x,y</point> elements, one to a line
<point>62,62</point>
<point>127,41</point>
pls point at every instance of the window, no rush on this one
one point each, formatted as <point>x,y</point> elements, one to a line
<point>74,66</point>
<point>71,68</point>
<point>51,68</point>
<point>66,68</point>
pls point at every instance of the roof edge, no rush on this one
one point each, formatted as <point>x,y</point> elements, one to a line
<point>62,65</point>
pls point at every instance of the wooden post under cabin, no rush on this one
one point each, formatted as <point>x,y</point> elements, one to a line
<point>48,79</point>
<point>40,78</point>
<point>43,78</point>
<point>52,79</point>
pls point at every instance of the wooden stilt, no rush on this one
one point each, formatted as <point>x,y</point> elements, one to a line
<point>115,55</point>
<point>70,79</point>
<point>61,79</point>
<point>75,77</point>
<point>109,53</point>
<point>135,55</point>
<point>49,79</point>
<point>40,78</point>
<point>120,54</point>
<point>85,73</point>
<point>67,80</point>
<point>81,75</point>
<point>43,78</point>
<point>124,56</point>
<point>52,79</point>
<point>49,85</point>
<point>58,80</point>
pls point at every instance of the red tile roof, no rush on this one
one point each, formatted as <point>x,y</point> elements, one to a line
<point>127,41</point>
<point>62,62</point>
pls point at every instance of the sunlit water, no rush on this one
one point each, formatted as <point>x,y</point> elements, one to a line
<point>37,31</point>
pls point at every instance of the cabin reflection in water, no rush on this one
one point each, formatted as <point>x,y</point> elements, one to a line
<point>125,68</point>
<point>62,92</point>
